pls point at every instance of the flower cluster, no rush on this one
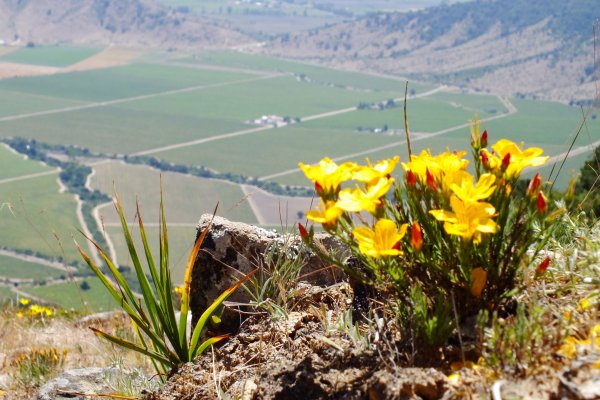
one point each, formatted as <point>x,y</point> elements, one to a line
<point>33,310</point>
<point>469,227</point>
<point>37,364</point>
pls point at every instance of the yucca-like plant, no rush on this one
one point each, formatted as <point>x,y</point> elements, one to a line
<point>161,335</point>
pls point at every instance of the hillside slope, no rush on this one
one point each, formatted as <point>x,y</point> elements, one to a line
<point>105,22</point>
<point>539,48</point>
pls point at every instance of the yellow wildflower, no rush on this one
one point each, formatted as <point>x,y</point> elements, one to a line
<point>382,241</point>
<point>24,301</point>
<point>327,175</point>
<point>508,155</point>
<point>465,190</point>
<point>469,220</point>
<point>355,200</point>
<point>372,173</point>
<point>442,167</point>
<point>454,378</point>
<point>328,213</point>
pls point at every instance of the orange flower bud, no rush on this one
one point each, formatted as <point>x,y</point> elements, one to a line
<point>303,231</point>
<point>534,185</point>
<point>542,204</point>
<point>478,281</point>
<point>485,160</point>
<point>541,269</point>
<point>416,239</point>
<point>411,179</point>
<point>430,180</point>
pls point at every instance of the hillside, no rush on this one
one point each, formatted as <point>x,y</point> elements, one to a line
<point>106,22</point>
<point>543,49</point>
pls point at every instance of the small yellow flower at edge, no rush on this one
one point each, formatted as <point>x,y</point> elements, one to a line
<point>24,301</point>
<point>454,378</point>
<point>382,241</point>
<point>326,215</point>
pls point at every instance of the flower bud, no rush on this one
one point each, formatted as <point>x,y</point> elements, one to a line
<point>534,185</point>
<point>411,179</point>
<point>485,160</point>
<point>542,203</point>
<point>416,239</point>
<point>303,231</point>
<point>541,269</point>
<point>430,180</point>
<point>505,161</point>
<point>483,142</point>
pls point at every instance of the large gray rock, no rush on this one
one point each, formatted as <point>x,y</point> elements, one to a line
<point>74,383</point>
<point>231,250</point>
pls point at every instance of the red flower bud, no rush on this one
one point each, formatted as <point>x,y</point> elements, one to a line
<point>541,269</point>
<point>534,185</point>
<point>484,139</point>
<point>542,204</point>
<point>505,161</point>
<point>416,239</point>
<point>430,180</point>
<point>302,230</point>
<point>485,160</point>
<point>411,179</point>
<point>319,189</point>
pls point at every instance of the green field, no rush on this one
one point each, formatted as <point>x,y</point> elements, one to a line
<point>11,267</point>
<point>315,74</point>
<point>6,294</point>
<point>51,56</point>
<point>186,197</point>
<point>44,220</point>
<point>13,164</point>
<point>181,241</point>
<point>15,103</point>
<point>69,295</point>
<point>119,82</point>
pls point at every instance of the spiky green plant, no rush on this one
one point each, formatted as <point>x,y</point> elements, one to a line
<point>161,335</point>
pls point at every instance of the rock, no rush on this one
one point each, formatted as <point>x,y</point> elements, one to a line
<point>231,250</point>
<point>407,383</point>
<point>74,383</point>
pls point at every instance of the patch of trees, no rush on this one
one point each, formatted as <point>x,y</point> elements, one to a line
<point>203,172</point>
<point>567,18</point>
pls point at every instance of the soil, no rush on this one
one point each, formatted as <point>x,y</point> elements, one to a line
<point>308,355</point>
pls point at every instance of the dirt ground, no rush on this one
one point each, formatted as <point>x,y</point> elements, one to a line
<point>315,354</point>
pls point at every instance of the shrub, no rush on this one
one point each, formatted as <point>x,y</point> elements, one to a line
<point>447,243</point>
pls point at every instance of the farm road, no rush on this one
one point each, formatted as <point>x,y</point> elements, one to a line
<point>265,128</point>
<point>511,109</point>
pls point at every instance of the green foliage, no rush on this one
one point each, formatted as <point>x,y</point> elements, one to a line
<point>161,335</point>
<point>273,286</point>
<point>518,344</point>
<point>37,365</point>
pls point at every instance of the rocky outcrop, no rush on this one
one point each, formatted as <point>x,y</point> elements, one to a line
<point>232,250</point>
<point>78,384</point>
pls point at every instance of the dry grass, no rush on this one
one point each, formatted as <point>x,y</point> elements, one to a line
<point>19,335</point>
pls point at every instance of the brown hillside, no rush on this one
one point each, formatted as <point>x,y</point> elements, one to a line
<point>477,51</point>
<point>105,22</point>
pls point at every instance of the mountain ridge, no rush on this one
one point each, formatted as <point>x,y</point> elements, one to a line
<point>538,49</point>
<point>104,22</point>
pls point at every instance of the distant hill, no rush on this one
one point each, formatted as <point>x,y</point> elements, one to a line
<point>539,48</point>
<point>103,22</point>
